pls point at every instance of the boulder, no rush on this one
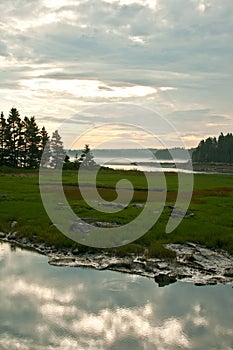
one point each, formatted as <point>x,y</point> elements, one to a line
<point>164,280</point>
<point>14,223</point>
<point>75,251</point>
<point>2,235</point>
<point>177,213</point>
<point>137,205</point>
<point>81,227</point>
<point>24,240</point>
<point>12,235</point>
<point>162,266</point>
<point>228,272</point>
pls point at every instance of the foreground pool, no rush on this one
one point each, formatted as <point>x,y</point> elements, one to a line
<point>62,308</point>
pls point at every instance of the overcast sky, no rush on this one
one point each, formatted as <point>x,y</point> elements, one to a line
<point>70,58</point>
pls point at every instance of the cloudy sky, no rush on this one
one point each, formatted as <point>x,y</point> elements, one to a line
<point>75,58</point>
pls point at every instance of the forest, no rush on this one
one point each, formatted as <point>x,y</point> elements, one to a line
<point>22,142</point>
<point>24,145</point>
<point>213,150</point>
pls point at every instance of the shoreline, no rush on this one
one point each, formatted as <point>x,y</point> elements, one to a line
<point>224,169</point>
<point>193,263</point>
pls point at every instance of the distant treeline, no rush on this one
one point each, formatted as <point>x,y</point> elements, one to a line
<point>143,154</point>
<point>22,143</point>
<point>215,150</point>
<point>174,153</point>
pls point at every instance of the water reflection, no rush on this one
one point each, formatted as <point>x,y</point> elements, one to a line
<point>72,308</point>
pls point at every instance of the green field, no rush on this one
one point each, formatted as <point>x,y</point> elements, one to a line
<point>212,206</point>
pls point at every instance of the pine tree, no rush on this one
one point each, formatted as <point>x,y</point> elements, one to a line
<point>213,150</point>
<point>86,159</point>
<point>44,148</point>
<point>2,138</point>
<point>32,139</point>
<point>57,153</point>
<point>13,138</point>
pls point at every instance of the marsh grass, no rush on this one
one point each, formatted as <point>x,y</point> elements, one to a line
<point>212,205</point>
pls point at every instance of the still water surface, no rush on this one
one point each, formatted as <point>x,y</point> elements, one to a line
<point>45,307</point>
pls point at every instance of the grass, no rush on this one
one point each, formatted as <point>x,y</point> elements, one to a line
<point>212,205</point>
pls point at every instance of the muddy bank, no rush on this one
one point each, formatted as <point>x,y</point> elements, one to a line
<point>193,263</point>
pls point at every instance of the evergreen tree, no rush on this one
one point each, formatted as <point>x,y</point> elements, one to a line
<point>213,150</point>
<point>86,159</point>
<point>13,138</point>
<point>44,148</point>
<point>57,153</point>
<point>2,138</point>
<point>32,139</point>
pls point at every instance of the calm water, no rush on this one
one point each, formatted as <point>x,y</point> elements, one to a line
<point>45,307</point>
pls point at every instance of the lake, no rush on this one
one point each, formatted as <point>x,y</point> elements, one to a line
<point>64,308</point>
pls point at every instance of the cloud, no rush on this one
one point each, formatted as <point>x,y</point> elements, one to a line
<point>181,51</point>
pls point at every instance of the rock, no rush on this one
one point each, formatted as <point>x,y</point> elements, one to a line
<point>137,205</point>
<point>105,224</point>
<point>162,266</point>
<point>200,284</point>
<point>170,206</point>
<point>181,276</point>
<point>177,213</point>
<point>149,267</point>
<point>190,258</point>
<point>192,245</point>
<point>164,280</point>
<point>75,251</point>
<point>14,223</point>
<point>228,272</point>
<point>112,204</point>
<point>2,235</point>
<point>5,195</point>
<point>189,215</point>
<point>12,235</point>
<point>80,226</point>
<point>24,240</point>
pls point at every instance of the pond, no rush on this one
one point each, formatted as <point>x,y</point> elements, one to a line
<point>65,308</point>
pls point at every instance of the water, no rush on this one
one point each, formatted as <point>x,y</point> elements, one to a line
<point>138,159</point>
<point>45,307</point>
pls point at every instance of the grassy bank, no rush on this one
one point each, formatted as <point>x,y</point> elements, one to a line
<point>212,205</point>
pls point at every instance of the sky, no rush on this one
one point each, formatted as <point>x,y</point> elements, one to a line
<point>77,65</point>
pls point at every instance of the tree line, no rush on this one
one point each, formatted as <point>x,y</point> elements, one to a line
<point>22,142</point>
<point>218,150</point>
<point>24,145</point>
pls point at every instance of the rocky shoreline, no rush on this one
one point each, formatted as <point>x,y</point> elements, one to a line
<point>226,169</point>
<point>193,263</point>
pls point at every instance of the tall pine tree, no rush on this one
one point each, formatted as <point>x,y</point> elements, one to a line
<point>2,138</point>
<point>32,139</point>
<point>86,159</point>
<point>57,153</point>
<point>44,148</point>
<point>13,138</point>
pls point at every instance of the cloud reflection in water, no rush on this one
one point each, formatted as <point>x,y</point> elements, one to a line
<point>70,308</point>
